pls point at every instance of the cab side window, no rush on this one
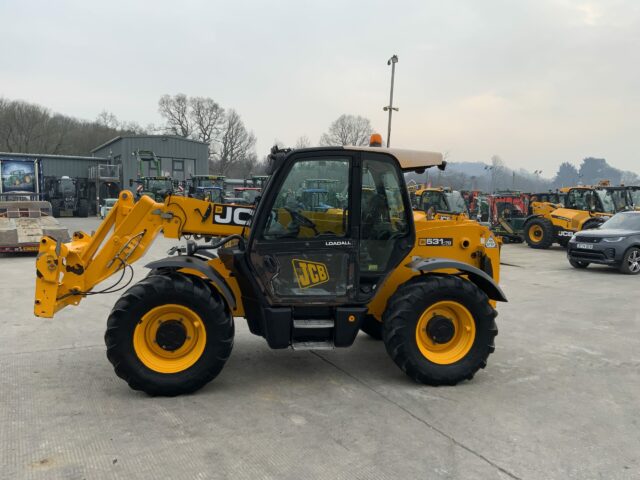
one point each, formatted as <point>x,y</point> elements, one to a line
<point>383,215</point>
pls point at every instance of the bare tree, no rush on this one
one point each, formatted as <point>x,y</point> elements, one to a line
<point>302,142</point>
<point>107,119</point>
<point>237,144</point>
<point>175,111</point>
<point>25,127</point>
<point>30,128</point>
<point>207,118</point>
<point>348,130</point>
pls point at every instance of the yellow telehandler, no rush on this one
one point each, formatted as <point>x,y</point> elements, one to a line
<point>299,280</point>
<point>584,207</point>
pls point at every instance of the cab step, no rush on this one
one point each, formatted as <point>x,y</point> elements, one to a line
<point>313,323</point>
<point>312,345</point>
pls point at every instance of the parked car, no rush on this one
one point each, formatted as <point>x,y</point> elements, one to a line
<point>107,206</point>
<point>616,243</point>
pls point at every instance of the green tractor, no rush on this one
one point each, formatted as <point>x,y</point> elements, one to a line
<point>156,187</point>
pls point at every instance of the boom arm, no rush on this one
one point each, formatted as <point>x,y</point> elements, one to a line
<point>66,272</point>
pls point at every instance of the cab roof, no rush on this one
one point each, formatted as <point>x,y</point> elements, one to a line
<point>408,159</point>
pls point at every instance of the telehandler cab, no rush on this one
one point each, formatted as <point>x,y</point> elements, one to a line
<point>301,278</point>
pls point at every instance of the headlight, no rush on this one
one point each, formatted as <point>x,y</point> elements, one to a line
<point>612,239</point>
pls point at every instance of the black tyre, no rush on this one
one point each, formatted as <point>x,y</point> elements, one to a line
<point>83,209</point>
<point>55,209</point>
<point>563,242</point>
<point>169,335</point>
<point>538,232</point>
<point>631,262</point>
<point>439,329</point>
<point>578,263</point>
<point>372,327</point>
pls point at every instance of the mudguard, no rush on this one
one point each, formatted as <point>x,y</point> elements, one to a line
<point>528,218</point>
<point>195,263</point>
<point>477,276</point>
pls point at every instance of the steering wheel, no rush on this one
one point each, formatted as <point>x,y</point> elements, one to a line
<point>300,219</point>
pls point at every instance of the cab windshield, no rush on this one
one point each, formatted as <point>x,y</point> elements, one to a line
<point>204,182</point>
<point>248,195</point>
<point>66,186</point>
<point>623,221</point>
<point>635,196</point>
<point>456,202</point>
<point>157,185</point>
<point>590,200</point>
<point>434,199</point>
<point>609,200</point>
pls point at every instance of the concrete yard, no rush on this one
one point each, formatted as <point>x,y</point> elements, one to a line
<point>559,399</point>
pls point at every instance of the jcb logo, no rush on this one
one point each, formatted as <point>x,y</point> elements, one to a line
<point>310,274</point>
<point>230,215</point>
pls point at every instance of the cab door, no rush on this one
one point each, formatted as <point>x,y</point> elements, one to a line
<point>301,253</point>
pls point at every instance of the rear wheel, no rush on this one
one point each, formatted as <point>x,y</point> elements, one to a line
<point>631,262</point>
<point>83,208</point>
<point>55,209</point>
<point>578,263</point>
<point>439,330</point>
<point>538,233</point>
<point>169,335</point>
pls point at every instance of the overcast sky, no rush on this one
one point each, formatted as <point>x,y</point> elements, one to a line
<point>534,81</point>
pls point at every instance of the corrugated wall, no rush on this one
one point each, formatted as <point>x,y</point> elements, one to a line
<point>58,167</point>
<point>167,148</point>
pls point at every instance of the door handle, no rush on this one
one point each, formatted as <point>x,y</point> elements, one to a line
<point>270,263</point>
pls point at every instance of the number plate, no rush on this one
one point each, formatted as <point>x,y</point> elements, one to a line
<point>585,246</point>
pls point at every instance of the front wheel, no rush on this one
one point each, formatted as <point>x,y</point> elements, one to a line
<point>169,335</point>
<point>538,233</point>
<point>439,330</point>
<point>631,262</point>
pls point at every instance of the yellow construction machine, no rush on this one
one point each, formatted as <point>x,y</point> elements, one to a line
<point>428,288</point>
<point>442,203</point>
<point>584,207</point>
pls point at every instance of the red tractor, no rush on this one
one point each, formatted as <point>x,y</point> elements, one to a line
<point>507,213</point>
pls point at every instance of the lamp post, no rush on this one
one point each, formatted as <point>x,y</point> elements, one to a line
<point>493,171</point>
<point>537,173</point>
<point>389,108</point>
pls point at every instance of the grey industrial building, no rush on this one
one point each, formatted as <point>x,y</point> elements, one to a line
<point>180,157</point>
<point>114,164</point>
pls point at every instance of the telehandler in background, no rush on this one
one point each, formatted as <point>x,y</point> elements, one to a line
<point>300,280</point>
<point>441,202</point>
<point>585,207</point>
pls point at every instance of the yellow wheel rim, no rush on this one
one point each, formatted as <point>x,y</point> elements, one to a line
<point>463,335</point>
<point>169,338</point>
<point>536,233</point>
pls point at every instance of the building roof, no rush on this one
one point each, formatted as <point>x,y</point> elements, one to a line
<point>120,137</point>
<point>47,155</point>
